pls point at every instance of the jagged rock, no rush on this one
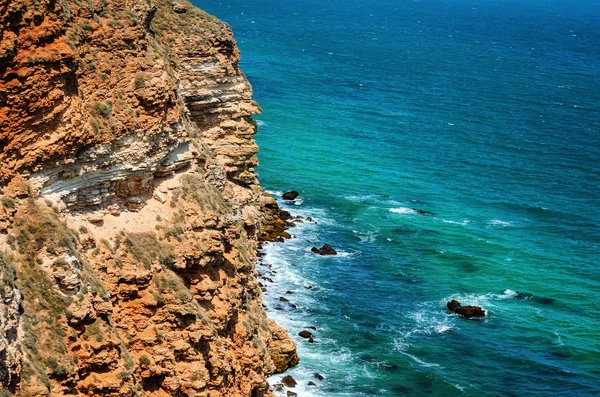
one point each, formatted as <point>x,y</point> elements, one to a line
<point>465,311</point>
<point>291,195</point>
<point>305,334</point>
<point>282,299</point>
<point>282,348</point>
<point>128,114</point>
<point>288,381</point>
<point>324,250</point>
<point>311,383</point>
<point>453,305</point>
<point>291,394</point>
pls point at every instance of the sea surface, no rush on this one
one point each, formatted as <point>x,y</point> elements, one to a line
<point>485,114</point>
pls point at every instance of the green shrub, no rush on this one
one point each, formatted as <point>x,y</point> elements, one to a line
<point>139,82</point>
<point>103,109</point>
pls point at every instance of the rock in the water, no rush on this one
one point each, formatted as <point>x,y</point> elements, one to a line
<point>291,195</point>
<point>422,212</point>
<point>311,383</point>
<point>319,376</point>
<point>288,381</point>
<point>324,250</point>
<point>465,311</point>
<point>291,394</point>
<point>305,334</point>
<point>179,9</point>
<point>470,311</point>
<point>453,305</point>
<point>282,299</point>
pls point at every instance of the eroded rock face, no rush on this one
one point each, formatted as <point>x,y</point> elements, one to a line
<point>130,210</point>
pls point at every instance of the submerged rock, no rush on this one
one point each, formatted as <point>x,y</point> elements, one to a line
<point>291,195</point>
<point>465,311</point>
<point>422,212</point>
<point>324,250</point>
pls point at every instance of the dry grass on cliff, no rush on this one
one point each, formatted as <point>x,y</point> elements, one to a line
<point>208,197</point>
<point>169,25</point>
<point>146,248</point>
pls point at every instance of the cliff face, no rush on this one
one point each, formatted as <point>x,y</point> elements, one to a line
<point>130,211</point>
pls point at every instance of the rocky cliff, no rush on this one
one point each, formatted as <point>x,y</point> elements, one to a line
<point>130,211</point>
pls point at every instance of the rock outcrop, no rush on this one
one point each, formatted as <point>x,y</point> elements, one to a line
<point>326,249</point>
<point>465,311</point>
<point>130,210</point>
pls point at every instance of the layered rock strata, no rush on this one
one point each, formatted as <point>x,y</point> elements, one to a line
<point>130,212</point>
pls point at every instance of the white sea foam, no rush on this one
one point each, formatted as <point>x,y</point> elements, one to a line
<point>464,222</point>
<point>498,222</point>
<point>403,211</point>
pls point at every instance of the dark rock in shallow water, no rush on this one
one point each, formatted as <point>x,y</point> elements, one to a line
<point>311,383</point>
<point>291,394</point>
<point>305,334</point>
<point>291,195</point>
<point>311,340</point>
<point>422,212</point>
<point>387,367</point>
<point>289,381</point>
<point>285,215</point>
<point>311,327</point>
<point>465,311</point>
<point>324,250</point>
<point>319,376</point>
<point>453,305</point>
<point>282,299</point>
<point>278,387</point>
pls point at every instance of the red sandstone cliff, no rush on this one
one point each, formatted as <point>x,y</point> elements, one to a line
<point>130,211</point>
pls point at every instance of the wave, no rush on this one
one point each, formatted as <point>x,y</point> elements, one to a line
<point>403,211</point>
<point>462,223</point>
<point>498,222</point>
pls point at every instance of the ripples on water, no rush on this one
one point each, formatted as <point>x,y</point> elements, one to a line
<point>482,114</point>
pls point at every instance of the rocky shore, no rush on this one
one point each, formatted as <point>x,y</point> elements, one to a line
<point>130,211</point>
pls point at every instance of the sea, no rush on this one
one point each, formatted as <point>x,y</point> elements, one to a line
<point>447,149</point>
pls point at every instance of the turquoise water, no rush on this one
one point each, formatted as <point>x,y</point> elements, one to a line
<point>485,113</point>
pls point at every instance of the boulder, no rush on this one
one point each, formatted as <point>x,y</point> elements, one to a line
<point>319,376</point>
<point>470,311</point>
<point>324,250</point>
<point>291,195</point>
<point>453,305</point>
<point>305,334</point>
<point>291,394</point>
<point>288,381</point>
<point>465,311</point>
<point>311,383</point>
<point>282,299</point>
<point>179,8</point>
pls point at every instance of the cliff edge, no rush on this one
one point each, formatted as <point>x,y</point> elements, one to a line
<point>130,211</point>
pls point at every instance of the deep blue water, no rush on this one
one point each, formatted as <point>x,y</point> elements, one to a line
<point>485,113</point>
